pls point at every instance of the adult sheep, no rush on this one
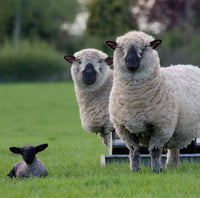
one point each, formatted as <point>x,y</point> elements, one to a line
<point>93,82</point>
<point>159,107</point>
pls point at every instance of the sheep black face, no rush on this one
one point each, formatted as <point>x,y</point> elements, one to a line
<point>132,60</point>
<point>28,152</point>
<point>130,53</point>
<point>89,74</point>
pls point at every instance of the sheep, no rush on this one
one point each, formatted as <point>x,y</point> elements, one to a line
<point>159,107</point>
<point>93,82</point>
<point>31,166</point>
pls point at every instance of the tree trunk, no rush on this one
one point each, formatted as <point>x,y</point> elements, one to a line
<point>17,25</point>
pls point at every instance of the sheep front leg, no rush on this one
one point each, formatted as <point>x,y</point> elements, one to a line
<point>132,143</point>
<point>105,136</point>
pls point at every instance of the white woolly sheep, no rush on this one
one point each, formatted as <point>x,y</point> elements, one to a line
<point>31,166</point>
<point>155,106</point>
<point>93,82</point>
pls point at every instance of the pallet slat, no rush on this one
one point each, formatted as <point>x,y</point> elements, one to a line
<point>118,152</point>
<point>146,159</point>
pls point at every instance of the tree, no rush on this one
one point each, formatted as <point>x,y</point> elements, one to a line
<point>109,17</point>
<point>180,14</point>
<point>35,18</point>
<point>6,18</point>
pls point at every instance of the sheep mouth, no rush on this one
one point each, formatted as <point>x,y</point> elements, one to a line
<point>89,79</point>
<point>132,67</point>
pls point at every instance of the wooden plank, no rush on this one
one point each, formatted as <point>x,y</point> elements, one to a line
<point>146,159</point>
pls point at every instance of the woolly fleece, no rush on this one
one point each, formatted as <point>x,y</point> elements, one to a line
<point>93,99</point>
<point>160,106</point>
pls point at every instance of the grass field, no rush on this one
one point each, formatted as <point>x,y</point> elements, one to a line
<point>48,113</point>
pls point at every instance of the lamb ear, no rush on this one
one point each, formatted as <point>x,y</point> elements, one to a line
<point>111,44</point>
<point>40,147</point>
<point>16,150</point>
<point>155,43</point>
<point>109,60</point>
<point>70,58</point>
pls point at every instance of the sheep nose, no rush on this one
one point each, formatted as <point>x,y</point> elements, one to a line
<point>89,74</point>
<point>132,60</point>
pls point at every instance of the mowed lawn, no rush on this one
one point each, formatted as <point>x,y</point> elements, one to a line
<point>36,113</point>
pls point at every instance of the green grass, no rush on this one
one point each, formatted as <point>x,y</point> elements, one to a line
<point>48,113</point>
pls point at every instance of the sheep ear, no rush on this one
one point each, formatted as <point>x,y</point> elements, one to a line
<point>70,58</point>
<point>40,147</point>
<point>109,60</point>
<point>155,43</point>
<point>16,150</point>
<point>111,44</point>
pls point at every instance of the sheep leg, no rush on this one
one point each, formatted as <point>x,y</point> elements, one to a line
<point>172,157</point>
<point>156,162</point>
<point>135,160</point>
<point>105,136</point>
<point>11,173</point>
<point>158,139</point>
<point>132,143</point>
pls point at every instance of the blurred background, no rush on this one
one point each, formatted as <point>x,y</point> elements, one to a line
<point>35,34</point>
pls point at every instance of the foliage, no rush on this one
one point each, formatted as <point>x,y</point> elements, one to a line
<point>48,113</point>
<point>97,42</point>
<point>36,18</point>
<point>175,49</point>
<point>6,15</point>
<point>179,14</point>
<point>178,56</point>
<point>108,17</point>
<point>31,61</point>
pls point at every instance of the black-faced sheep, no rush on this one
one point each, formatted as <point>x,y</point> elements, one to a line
<point>31,166</point>
<point>155,106</point>
<point>93,82</point>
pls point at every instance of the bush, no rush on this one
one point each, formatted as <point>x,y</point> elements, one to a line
<point>32,61</point>
<point>178,56</point>
<point>178,49</point>
<point>109,17</point>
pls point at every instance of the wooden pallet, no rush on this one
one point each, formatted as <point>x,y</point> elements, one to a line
<point>118,152</point>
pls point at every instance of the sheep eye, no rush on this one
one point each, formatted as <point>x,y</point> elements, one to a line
<point>100,61</point>
<point>78,61</point>
<point>120,48</point>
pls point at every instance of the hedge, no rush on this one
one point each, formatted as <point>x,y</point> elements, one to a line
<point>32,61</point>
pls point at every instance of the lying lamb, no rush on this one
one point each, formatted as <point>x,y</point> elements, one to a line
<point>31,166</point>
<point>159,107</point>
<point>93,82</point>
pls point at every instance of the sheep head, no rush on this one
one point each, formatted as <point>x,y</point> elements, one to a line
<point>28,152</point>
<point>89,68</point>
<point>134,54</point>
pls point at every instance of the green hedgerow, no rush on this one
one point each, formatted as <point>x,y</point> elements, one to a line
<point>31,61</point>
